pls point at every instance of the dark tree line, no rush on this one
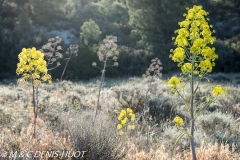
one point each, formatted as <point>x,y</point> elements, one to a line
<point>144,29</point>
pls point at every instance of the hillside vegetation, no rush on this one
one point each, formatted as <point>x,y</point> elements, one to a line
<point>144,30</point>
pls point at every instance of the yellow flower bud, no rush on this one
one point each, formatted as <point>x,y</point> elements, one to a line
<point>178,120</point>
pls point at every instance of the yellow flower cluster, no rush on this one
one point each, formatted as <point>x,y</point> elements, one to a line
<point>123,118</point>
<point>32,67</point>
<point>174,82</point>
<point>218,90</point>
<point>178,120</point>
<point>186,68</point>
<point>206,66</point>
<point>193,37</point>
<point>179,55</point>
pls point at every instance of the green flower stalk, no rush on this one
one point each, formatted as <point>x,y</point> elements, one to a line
<point>33,69</point>
<point>195,58</point>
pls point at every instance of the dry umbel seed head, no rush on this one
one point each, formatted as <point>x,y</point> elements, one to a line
<point>115,64</point>
<point>94,64</point>
<point>108,51</point>
<point>72,49</point>
<point>51,50</point>
<point>115,58</point>
<point>154,69</point>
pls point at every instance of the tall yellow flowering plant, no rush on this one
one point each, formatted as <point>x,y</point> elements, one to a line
<point>33,69</point>
<point>195,58</point>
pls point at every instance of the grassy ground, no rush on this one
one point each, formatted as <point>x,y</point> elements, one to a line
<point>66,111</point>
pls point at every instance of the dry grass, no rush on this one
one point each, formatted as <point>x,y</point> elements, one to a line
<point>66,111</point>
<point>204,152</point>
<point>11,141</point>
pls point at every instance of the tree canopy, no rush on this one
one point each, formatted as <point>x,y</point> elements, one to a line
<point>144,29</point>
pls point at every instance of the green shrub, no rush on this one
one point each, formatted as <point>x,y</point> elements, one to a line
<point>90,32</point>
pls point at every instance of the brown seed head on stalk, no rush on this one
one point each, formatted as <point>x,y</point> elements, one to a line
<point>72,49</point>
<point>51,50</point>
<point>108,49</point>
<point>154,69</point>
<point>94,64</point>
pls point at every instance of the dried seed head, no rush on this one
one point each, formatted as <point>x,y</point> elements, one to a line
<point>94,64</point>
<point>116,64</point>
<point>115,58</point>
<point>51,39</point>
<point>53,59</point>
<point>154,69</point>
<point>49,54</point>
<point>102,47</point>
<point>48,45</point>
<point>109,53</point>
<point>108,49</point>
<point>116,53</point>
<point>100,56</point>
<point>59,48</point>
<point>51,50</point>
<point>108,45</point>
<point>59,55</point>
<point>72,49</point>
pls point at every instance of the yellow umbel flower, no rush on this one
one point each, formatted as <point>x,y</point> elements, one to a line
<point>178,120</point>
<point>186,68</point>
<point>129,110</point>
<point>121,132</point>
<point>124,123</point>
<point>192,39</point>
<point>131,127</point>
<point>178,54</point>
<point>122,115</point>
<point>119,126</point>
<point>205,66</point>
<point>32,67</point>
<point>123,112</point>
<point>218,90</point>
<point>174,81</point>
<point>132,116</point>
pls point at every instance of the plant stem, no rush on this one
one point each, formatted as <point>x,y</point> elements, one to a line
<point>65,68</point>
<point>100,88</point>
<point>36,113</point>
<point>34,110</point>
<point>146,109</point>
<point>192,115</point>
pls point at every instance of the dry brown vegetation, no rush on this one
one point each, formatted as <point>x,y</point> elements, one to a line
<point>66,110</point>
